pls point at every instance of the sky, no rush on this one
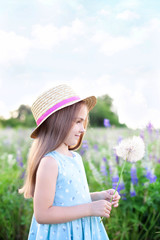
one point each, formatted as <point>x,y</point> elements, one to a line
<point>98,47</point>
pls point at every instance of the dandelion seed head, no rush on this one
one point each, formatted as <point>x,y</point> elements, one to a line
<point>132,149</point>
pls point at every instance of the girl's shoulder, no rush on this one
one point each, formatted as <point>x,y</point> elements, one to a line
<point>47,165</point>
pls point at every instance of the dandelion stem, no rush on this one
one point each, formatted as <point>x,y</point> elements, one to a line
<point>117,183</point>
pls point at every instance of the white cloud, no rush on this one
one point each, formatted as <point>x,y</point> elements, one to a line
<point>46,37</point>
<point>104,12</point>
<point>132,4</point>
<point>4,112</point>
<point>131,107</point>
<point>13,47</point>
<point>127,15</point>
<point>110,45</point>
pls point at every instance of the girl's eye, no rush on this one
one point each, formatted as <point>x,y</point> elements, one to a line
<point>78,121</point>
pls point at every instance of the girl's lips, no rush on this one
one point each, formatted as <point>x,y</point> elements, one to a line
<point>77,135</point>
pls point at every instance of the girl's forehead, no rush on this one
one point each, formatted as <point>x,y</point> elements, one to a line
<point>83,111</point>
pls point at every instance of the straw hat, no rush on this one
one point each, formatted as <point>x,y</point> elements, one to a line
<point>55,99</point>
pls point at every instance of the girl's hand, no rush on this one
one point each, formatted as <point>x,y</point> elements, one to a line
<point>108,194</point>
<point>101,208</point>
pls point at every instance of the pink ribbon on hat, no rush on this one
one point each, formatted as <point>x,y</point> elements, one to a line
<point>55,107</point>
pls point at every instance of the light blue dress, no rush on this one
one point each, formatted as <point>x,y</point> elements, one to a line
<point>71,189</point>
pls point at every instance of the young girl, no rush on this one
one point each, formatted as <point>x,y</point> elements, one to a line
<point>63,207</point>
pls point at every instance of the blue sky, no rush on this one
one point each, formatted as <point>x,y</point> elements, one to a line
<point>98,47</point>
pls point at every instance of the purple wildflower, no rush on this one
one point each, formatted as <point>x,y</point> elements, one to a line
<point>104,159</point>
<point>150,128</point>
<point>22,175</point>
<point>132,191</point>
<point>121,187</point>
<point>115,180</point>
<point>19,159</point>
<point>96,147</point>
<point>133,173</point>
<point>116,157</point>
<point>103,170</point>
<point>110,170</point>
<point>150,176</point>
<point>119,139</point>
<point>142,134</point>
<point>106,123</point>
<point>84,147</point>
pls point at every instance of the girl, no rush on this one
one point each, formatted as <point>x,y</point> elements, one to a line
<point>63,207</point>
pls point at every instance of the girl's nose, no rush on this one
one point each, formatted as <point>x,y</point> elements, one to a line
<point>82,130</point>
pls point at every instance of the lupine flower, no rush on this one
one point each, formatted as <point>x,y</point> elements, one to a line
<point>121,187</point>
<point>115,180</point>
<point>95,147</point>
<point>19,159</point>
<point>133,173</point>
<point>131,149</point>
<point>142,134</point>
<point>103,170</point>
<point>84,147</point>
<point>150,176</point>
<point>150,128</point>
<point>106,123</point>
<point>119,139</point>
<point>104,159</point>
<point>132,191</point>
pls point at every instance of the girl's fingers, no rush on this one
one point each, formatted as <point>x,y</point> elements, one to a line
<point>108,212</point>
<point>115,205</point>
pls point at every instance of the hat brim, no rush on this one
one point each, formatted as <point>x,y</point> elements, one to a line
<point>90,102</point>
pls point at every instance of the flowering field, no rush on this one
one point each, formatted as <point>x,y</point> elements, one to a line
<point>138,214</point>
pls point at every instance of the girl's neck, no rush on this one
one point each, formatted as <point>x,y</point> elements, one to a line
<point>63,148</point>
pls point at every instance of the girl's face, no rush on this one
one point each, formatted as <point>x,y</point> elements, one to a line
<point>77,127</point>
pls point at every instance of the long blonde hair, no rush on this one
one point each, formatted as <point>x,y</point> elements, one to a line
<point>51,135</point>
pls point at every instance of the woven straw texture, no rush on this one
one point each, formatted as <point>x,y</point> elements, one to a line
<point>54,96</point>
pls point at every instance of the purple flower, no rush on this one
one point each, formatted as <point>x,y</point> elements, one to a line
<point>19,159</point>
<point>133,173</point>
<point>104,159</point>
<point>150,127</point>
<point>84,147</point>
<point>96,147</point>
<point>121,187</point>
<point>116,157</point>
<point>106,123</point>
<point>132,193</point>
<point>22,175</point>
<point>150,176</point>
<point>115,180</point>
<point>103,170</point>
<point>142,134</point>
<point>119,139</point>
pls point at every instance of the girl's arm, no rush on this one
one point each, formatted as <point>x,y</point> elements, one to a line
<point>106,195</point>
<point>44,194</point>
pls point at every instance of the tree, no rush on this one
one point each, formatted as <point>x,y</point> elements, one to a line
<point>22,112</point>
<point>102,110</point>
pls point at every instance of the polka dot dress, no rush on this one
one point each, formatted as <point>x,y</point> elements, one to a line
<point>71,189</point>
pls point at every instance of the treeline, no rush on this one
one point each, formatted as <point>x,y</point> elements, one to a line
<point>22,117</point>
